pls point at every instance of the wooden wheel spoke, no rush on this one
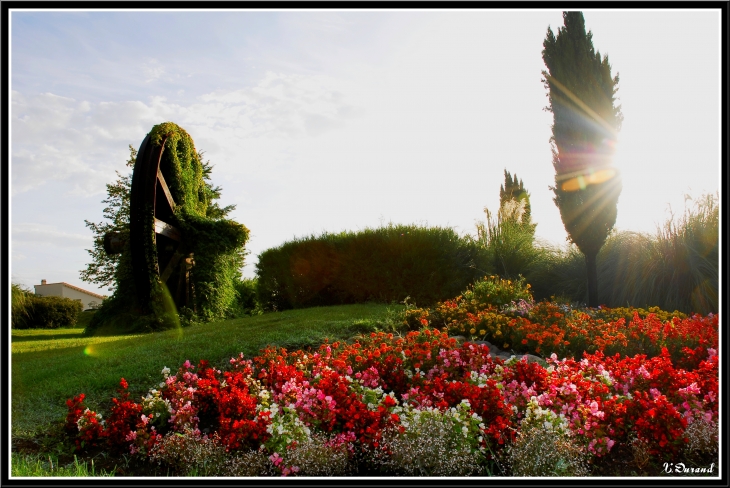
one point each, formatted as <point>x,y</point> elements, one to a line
<point>167,230</point>
<point>166,190</point>
<point>174,260</point>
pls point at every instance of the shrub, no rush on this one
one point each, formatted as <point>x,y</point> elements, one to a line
<point>50,312</point>
<point>21,305</point>
<point>508,242</point>
<point>677,268</point>
<point>383,265</point>
<point>246,289</point>
<point>492,290</point>
<point>481,310</point>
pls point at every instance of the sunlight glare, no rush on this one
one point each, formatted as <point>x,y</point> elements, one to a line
<point>591,177</point>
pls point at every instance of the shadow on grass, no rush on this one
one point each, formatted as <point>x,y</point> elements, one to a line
<point>30,338</point>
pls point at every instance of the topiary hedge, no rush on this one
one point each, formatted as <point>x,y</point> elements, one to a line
<point>427,264</point>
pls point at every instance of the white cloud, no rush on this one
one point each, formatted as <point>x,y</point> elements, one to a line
<point>153,70</point>
<point>34,234</point>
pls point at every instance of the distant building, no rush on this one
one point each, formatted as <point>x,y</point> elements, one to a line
<point>89,300</point>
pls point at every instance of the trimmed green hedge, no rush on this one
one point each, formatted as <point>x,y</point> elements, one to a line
<point>49,313</point>
<point>427,264</point>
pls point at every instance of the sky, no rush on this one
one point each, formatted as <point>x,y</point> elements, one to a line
<point>327,120</point>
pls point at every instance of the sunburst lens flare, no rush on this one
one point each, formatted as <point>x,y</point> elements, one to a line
<point>580,182</point>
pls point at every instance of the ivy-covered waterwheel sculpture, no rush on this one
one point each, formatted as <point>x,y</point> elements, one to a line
<point>158,249</point>
<point>169,230</point>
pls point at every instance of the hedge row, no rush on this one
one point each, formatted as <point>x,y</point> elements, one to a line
<point>40,312</point>
<point>427,264</point>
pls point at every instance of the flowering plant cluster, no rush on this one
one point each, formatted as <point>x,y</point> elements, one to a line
<point>362,407</point>
<point>489,295</point>
<point>546,327</point>
<point>627,313</point>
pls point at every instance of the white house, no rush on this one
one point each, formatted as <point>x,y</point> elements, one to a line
<point>88,300</point>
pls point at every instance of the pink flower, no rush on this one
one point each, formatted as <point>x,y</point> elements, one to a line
<point>276,459</point>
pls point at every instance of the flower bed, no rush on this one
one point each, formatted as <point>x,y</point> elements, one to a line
<point>503,312</point>
<point>422,404</point>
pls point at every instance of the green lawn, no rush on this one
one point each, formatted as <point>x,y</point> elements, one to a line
<point>50,366</point>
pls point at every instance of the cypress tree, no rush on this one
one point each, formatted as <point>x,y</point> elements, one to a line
<point>586,121</point>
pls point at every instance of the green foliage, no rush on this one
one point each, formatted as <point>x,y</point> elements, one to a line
<point>493,290</point>
<point>29,465</point>
<point>558,272</point>
<point>182,163</point>
<point>508,242</point>
<point>101,270</point>
<point>216,244</point>
<point>677,268</point>
<point>120,313</point>
<point>485,298</point>
<point>218,249</point>
<point>41,312</point>
<point>20,306</point>
<point>246,289</point>
<point>515,190</point>
<point>585,124</point>
<point>382,265</point>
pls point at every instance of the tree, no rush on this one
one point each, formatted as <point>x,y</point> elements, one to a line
<point>586,122</point>
<point>514,189</point>
<point>101,269</point>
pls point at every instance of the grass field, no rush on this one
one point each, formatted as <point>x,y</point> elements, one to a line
<point>50,366</point>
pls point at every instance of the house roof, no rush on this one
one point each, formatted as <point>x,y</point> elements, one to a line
<point>77,289</point>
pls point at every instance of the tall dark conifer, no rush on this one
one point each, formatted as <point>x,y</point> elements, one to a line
<point>586,121</point>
